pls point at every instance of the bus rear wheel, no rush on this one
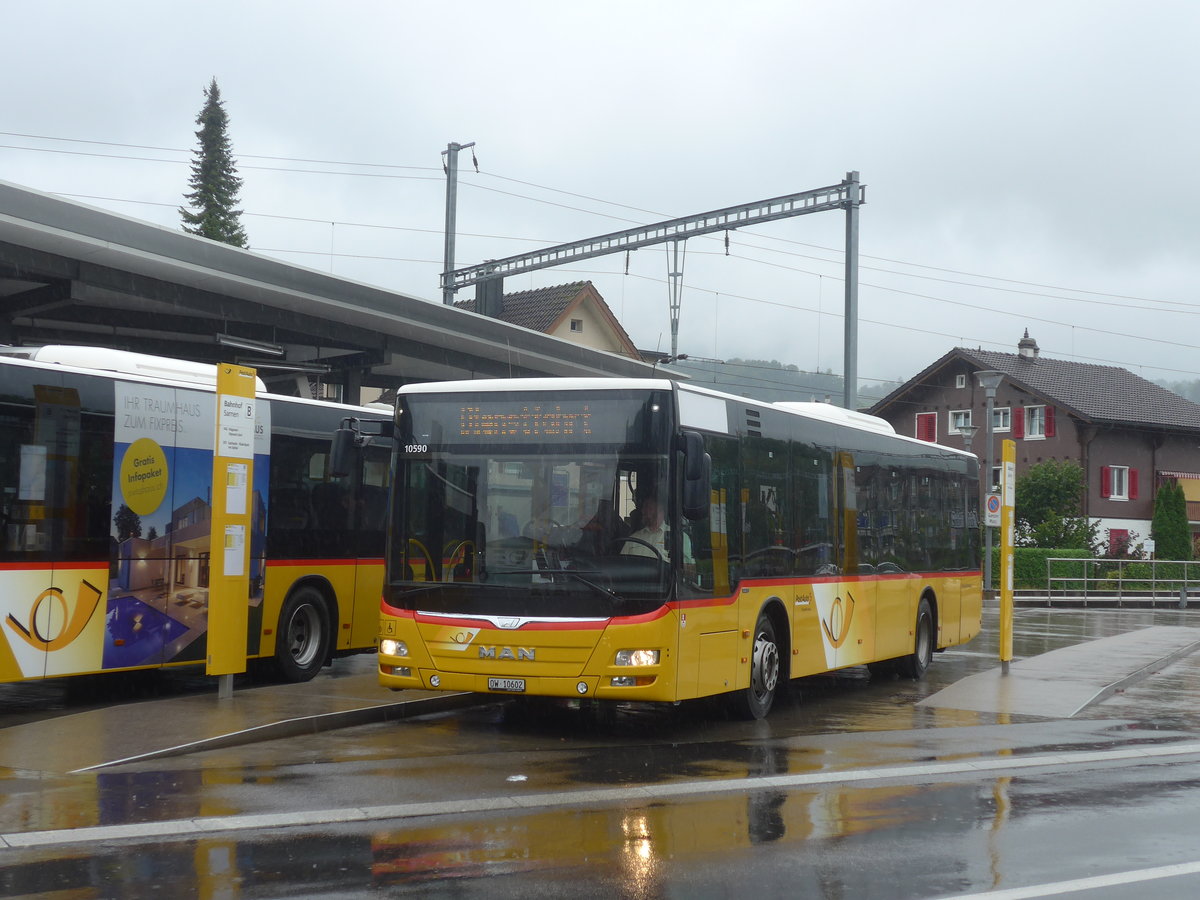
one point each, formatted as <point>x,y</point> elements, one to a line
<point>755,701</point>
<point>917,663</point>
<point>302,641</point>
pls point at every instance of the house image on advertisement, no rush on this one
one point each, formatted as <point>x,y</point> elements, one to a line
<point>1128,434</point>
<point>574,312</point>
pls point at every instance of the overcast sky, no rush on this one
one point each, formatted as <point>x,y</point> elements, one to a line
<point>1028,164</point>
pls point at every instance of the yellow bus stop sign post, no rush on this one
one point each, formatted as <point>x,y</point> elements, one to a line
<point>232,481</point>
<point>1008,502</point>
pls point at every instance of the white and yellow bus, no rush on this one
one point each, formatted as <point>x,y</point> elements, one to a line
<point>105,495</point>
<point>795,539</point>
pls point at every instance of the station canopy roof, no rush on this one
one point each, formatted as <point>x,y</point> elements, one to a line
<point>74,274</point>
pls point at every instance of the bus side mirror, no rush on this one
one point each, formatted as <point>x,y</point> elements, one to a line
<point>341,451</point>
<point>697,474</point>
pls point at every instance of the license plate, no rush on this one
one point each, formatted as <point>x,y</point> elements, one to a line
<point>515,685</point>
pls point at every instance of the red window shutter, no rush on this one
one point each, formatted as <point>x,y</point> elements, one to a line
<point>927,427</point>
<point>1049,421</point>
<point>1105,481</point>
<point>1018,422</point>
<point>1133,484</point>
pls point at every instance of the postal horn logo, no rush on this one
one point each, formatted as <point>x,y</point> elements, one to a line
<point>837,624</point>
<point>40,633</point>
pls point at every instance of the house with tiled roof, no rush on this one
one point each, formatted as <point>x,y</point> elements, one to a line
<point>575,312</point>
<point>1126,433</point>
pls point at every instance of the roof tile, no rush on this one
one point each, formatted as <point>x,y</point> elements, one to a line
<point>1098,393</point>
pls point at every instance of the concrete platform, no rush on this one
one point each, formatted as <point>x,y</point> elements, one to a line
<point>349,694</point>
<point>1062,683</point>
<point>1058,684</point>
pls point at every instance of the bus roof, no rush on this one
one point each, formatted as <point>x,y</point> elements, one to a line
<point>155,368</point>
<point>106,359</point>
<point>824,412</point>
<point>537,384</point>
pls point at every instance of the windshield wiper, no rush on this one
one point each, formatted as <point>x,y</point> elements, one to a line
<point>550,575</point>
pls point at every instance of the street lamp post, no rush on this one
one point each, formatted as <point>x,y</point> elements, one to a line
<point>968,436</point>
<point>989,380</point>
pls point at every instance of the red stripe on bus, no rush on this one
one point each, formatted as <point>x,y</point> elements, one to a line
<point>49,566</point>
<point>690,603</point>
<point>324,562</point>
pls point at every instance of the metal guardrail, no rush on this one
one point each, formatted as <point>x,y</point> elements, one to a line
<point>1136,582</point>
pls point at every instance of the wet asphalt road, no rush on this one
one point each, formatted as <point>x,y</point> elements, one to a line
<point>865,825</point>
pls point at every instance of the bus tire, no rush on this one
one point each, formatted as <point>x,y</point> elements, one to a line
<point>917,663</point>
<point>302,639</point>
<point>755,701</point>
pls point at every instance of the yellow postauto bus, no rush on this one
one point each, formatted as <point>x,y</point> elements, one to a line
<point>98,576</point>
<point>646,540</point>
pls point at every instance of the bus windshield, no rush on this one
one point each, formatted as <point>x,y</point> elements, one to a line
<point>551,506</point>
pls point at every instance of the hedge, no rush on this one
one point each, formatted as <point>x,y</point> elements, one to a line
<point>1029,571</point>
<point>1029,567</point>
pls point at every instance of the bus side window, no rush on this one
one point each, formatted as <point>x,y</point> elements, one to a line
<point>331,502</point>
<point>717,538</point>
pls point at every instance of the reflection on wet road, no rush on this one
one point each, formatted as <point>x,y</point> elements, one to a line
<point>942,835</point>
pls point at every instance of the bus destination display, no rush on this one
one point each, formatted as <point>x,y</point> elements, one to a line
<point>525,420</point>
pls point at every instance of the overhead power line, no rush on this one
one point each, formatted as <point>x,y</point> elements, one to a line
<point>593,199</point>
<point>1019,290</point>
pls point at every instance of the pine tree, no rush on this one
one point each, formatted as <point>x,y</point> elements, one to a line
<point>214,180</point>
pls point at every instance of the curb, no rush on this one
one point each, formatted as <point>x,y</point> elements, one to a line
<point>301,725</point>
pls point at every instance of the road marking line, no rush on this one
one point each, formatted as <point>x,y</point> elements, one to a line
<point>1134,876</point>
<point>174,829</point>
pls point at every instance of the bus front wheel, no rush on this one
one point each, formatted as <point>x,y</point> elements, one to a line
<point>915,664</point>
<point>302,642</point>
<point>755,701</point>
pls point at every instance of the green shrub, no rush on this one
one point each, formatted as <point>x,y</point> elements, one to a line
<point>1029,567</point>
<point>1029,572</point>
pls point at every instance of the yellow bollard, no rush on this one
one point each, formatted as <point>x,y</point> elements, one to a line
<point>1008,502</point>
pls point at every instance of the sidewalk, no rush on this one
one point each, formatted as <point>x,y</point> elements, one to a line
<point>346,694</point>
<point>1062,683</point>
<point>1058,684</point>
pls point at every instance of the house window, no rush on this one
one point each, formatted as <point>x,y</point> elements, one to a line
<point>927,427</point>
<point>1002,419</point>
<point>577,325</point>
<point>996,475</point>
<point>1035,422</point>
<point>959,418</point>
<point>960,381</point>
<point>1118,483</point>
<point>1118,541</point>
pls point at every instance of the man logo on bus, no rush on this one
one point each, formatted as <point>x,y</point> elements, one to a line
<point>39,635</point>
<point>507,653</point>
<point>837,626</point>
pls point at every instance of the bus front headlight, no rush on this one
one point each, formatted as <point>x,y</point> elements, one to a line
<point>389,647</point>
<point>637,658</point>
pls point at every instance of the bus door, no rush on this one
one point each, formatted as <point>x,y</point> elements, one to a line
<point>55,477</point>
<point>370,524</point>
<point>39,446</point>
<point>848,621</point>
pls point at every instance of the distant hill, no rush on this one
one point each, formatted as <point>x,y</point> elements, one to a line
<point>772,381</point>
<point>1189,390</point>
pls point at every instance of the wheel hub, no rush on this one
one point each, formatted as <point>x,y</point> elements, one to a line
<point>765,670</point>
